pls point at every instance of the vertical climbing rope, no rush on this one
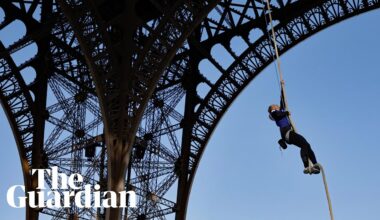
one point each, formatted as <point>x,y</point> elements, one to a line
<point>284,100</point>
<point>278,62</point>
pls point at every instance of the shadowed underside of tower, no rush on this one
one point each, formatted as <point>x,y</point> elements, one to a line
<point>114,90</point>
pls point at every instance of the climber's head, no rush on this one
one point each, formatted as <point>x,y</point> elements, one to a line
<point>273,108</point>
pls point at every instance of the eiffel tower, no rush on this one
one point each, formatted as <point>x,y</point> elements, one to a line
<point>113,89</point>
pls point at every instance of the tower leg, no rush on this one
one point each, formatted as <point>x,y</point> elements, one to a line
<point>118,160</point>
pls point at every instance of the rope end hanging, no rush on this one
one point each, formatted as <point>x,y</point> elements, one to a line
<point>327,192</point>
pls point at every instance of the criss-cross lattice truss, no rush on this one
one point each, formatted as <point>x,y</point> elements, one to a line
<point>128,93</point>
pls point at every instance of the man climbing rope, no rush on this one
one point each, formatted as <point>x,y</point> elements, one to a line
<point>288,135</point>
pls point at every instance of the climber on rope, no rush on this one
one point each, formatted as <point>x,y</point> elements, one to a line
<point>289,136</point>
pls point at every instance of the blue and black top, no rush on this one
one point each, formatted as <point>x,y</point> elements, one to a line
<point>282,120</point>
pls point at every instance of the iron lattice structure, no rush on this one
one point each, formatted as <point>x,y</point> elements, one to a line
<point>114,89</point>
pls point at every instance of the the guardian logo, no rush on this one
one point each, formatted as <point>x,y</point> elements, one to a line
<point>70,188</point>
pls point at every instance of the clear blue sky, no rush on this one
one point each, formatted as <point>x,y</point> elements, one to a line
<point>332,81</point>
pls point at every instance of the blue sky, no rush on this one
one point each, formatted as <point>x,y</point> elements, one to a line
<point>332,81</point>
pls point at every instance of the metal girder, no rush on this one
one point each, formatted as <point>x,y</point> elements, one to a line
<point>124,85</point>
<point>31,114</point>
